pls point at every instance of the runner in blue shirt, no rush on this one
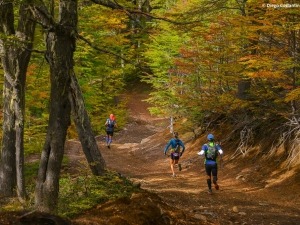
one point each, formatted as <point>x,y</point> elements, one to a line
<point>175,144</point>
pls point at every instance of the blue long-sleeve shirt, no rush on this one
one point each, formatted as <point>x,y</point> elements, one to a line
<point>173,143</point>
<point>205,149</point>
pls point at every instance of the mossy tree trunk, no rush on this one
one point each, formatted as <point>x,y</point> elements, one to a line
<point>15,48</point>
<point>60,41</point>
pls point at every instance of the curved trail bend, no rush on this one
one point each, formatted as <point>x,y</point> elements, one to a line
<point>137,153</point>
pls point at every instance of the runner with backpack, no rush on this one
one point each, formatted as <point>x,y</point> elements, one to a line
<point>110,125</point>
<point>175,144</point>
<point>211,150</point>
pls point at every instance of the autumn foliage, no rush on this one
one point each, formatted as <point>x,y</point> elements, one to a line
<point>237,60</point>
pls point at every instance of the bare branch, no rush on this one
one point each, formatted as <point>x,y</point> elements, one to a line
<point>44,18</point>
<point>289,140</point>
<point>100,49</point>
<point>246,140</point>
<point>130,12</point>
<point>109,4</point>
<point>35,50</point>
<point>161,18</point>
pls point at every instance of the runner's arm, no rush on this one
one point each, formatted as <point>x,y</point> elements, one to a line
<point>221,158</point>
<point>183,147</point>
<point>220,150</point>
<point>202,151</point>
<point>166,148</point>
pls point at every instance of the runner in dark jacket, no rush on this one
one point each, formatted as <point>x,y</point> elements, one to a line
<point>110,125</point>
<point>211,151</point>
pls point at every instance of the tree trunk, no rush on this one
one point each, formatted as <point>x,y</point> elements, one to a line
<point>47,188</point>
<point>60,48</point>
<point>25,32</point>
<point>83,125</point>
<point>8,154</point>
<point>15,59</point>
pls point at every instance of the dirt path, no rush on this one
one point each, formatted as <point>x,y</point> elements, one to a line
<point>137,152</point>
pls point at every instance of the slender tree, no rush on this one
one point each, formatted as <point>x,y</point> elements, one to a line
<point>84,129</point>
<point>15,46</point>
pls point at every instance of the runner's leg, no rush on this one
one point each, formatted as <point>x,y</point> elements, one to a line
<point>110,139</point>
<point>208,179</point>
<point>172,163</point>
<point>110,135</point>
<point>107,137</point>
<point>214,172</point>
<point>179,166</point>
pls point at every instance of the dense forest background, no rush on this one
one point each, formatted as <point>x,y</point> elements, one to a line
<point>208,63</point>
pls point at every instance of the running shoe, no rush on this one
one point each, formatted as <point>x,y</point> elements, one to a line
<point>217,187</point>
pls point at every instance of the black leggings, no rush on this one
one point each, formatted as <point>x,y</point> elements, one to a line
<point>211,170</point>
<point>110,133</point>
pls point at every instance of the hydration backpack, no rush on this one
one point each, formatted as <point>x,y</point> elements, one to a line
<point>212,152</point>
<point>111,123</point>
<point>177,148</point>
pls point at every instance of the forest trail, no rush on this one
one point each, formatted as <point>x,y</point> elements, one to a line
<point>137,153</point>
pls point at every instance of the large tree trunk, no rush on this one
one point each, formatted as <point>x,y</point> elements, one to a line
<point>83,125</point>
<point>8,154</point>
<point>47,188</point>
<point>15,58</point>
<point>60,48</point>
